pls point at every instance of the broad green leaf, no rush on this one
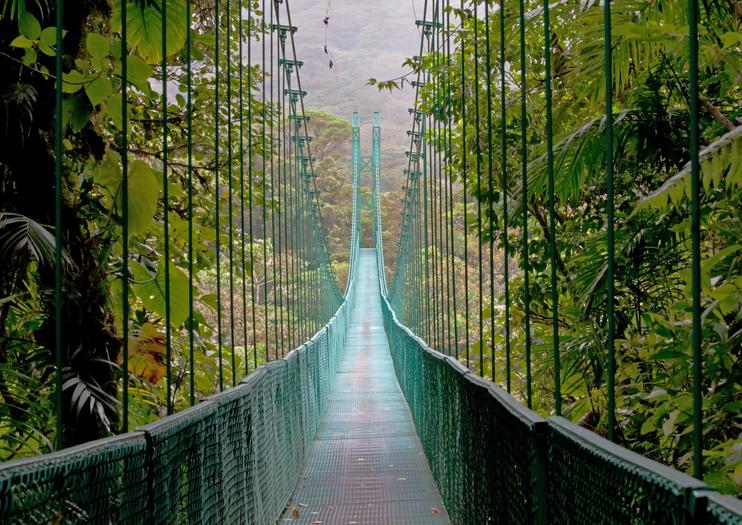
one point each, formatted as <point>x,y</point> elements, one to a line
<point>663,355</point>
<point>47,50</point>
<point>114,110</point>
<point>209,299</point>
<point>98,90</point>
<point>29,56</point>
<point>143,189</point>
<point>73,81</point>
<point>22,42</point>
<point>143,192</point>
<point>97,45</point>
<point>144,28</point>
<point>648,426</point>
<point>29,26</point>
<point>76,113</point>
<point>49,36</point>
<point>151,291</point>
<point>108,172</point>
<point>138,72</point>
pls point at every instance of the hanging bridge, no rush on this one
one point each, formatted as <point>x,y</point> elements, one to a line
<point>285,399</point>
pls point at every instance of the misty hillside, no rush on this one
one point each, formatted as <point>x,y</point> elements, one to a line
<point>364,39</point>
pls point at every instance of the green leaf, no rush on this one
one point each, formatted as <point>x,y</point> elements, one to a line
<point>108,173</point>
<point>49,36</point>
<point>29,26</point>
<point>663,355</point>
<point>114,110</point>
<point>138,72</point>
<point>144,28</point>
<point>22,42</point>
<point>76,113</point>
<point>648,426</point>
<point>209,299</point>
<point>29,56</point>
<point>47,50</point>
<point>151,291</point>
<point>143,189</point>
<point>98,90</point>
<point>143,193</point>
<point>669,425</point>
<point>97,45</point>
<point>73,81</point>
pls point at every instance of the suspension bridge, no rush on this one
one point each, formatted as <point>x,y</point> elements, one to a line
<point>285,399</point>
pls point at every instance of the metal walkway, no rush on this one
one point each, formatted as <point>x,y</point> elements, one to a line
<point>366,465</point>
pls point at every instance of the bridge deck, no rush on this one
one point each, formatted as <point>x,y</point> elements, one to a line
<point>366,465</point>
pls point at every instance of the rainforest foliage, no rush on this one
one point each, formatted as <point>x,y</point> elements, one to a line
<point>230,329</point>
<point>652,217</point>
<point>651,196</point>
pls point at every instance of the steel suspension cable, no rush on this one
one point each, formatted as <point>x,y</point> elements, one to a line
<point>463,180</point>
<point>445,343</point>
<point>125,307</point>
<point>58,129</point>
<point>552,222</point>
<point>279,212</point>
<point>165,214</point>
<point>251,184</point>
<point>478,149</point>
<point>430,162</point>
<point>426,240</point>
<point>264,168</point>
<point>505,188</point>
<point>241,112</point>
<point>271,141</point>
<point>524,201</point>
<point>230,193</point>
<point>189,168</point>
<point>490,185</point>
<point>610,344</point>
<point>217,198</point>
<point>449,154</point>
<point>432,147</point>
<point>695,189</point>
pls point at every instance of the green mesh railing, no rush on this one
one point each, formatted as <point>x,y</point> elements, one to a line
<point>233,458</point>
<point>495,461</point>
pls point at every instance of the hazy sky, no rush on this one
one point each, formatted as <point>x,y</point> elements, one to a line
<point>365,38</point>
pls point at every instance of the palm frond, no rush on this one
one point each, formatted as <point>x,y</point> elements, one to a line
<point>22,235</point>
<point>721,166</point>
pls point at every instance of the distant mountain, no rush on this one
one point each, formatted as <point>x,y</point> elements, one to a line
<point>364,39</point>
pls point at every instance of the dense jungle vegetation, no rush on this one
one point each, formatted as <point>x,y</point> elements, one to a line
<point>652,217</point>
<point>232,333</point>
<point>652,209</point>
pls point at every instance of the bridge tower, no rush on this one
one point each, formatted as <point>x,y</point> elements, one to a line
<point>363,164</point>
<point>376,190</point>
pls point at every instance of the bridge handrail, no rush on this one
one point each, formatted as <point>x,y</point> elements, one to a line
<point>494,460</point>
<point>233,458</point>
<point>565,473</point>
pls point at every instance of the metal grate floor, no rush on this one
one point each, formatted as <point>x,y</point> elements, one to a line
<point>366,465</point>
